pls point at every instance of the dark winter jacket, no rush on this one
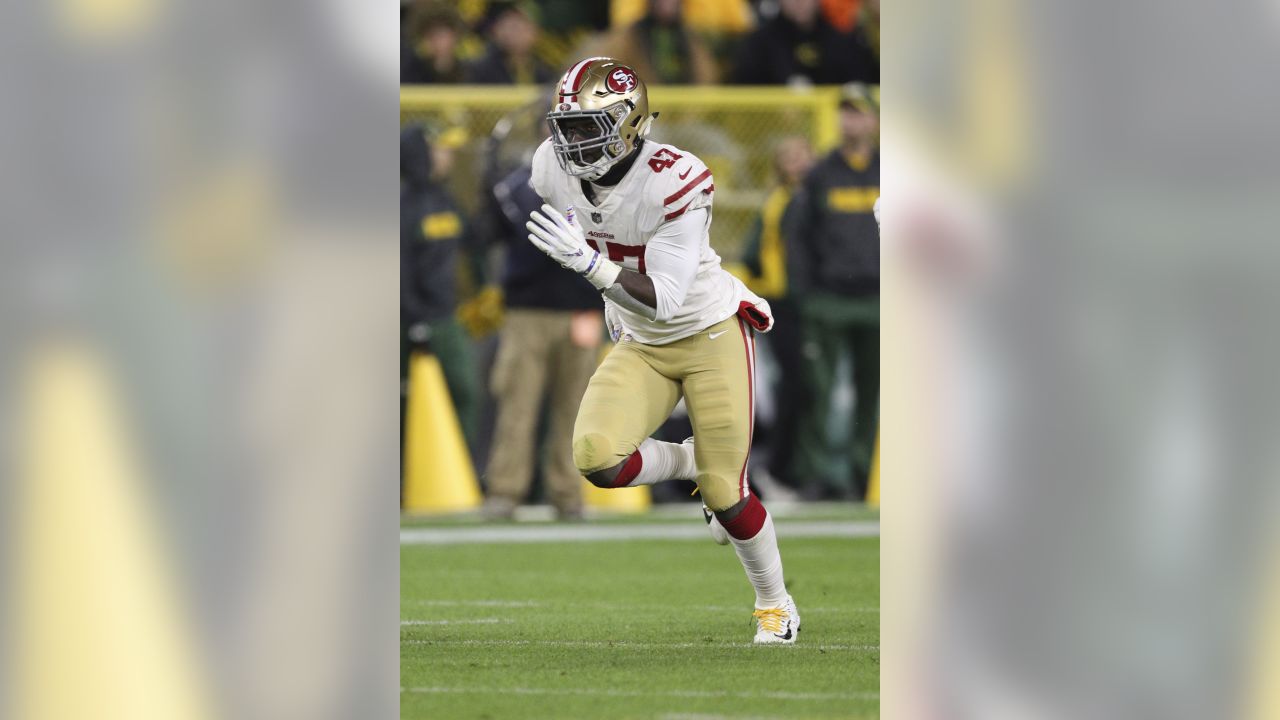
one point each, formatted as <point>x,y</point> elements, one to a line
<point>780,51</point>
<point>530,279</point>
<point>832,241</point>
<point>431,232</point>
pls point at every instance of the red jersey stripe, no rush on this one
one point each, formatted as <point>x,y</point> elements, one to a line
<point>685,190</point>
<point>748,343</point>
<point>677,213</point>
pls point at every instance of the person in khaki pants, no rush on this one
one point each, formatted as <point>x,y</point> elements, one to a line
<point>548,347</point>
<point>541,351</point>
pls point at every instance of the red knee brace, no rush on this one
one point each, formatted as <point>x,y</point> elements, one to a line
<point>629,471</point>
<point>748,522</point>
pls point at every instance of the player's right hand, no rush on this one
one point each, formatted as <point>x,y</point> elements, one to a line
<point>562,240</point>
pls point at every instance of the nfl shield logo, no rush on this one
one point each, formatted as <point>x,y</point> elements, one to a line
<point>597,218</point>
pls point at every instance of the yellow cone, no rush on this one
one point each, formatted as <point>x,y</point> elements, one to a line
<point>100,629</point>
<point>617,500</point>
<point>438,476</point>
<point>873,483</point>
<point>1266,696</point>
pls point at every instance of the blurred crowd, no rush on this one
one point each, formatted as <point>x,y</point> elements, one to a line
<point>518,337</point>
<point>677,42</point>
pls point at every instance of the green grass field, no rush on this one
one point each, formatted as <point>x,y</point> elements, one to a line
<point>633,629</point>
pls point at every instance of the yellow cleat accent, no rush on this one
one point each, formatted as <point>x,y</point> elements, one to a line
<point>777,625</point>
<point>771,619</point>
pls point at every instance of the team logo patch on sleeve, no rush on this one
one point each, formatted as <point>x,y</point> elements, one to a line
<point>621,80</point>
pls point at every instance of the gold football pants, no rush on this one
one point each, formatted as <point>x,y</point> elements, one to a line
<point>634,390</point>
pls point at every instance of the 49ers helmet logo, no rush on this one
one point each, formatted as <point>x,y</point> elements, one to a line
<point>621,80</point>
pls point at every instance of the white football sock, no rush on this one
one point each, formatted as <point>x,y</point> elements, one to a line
<point>760,558</point>
<point>662,461</point>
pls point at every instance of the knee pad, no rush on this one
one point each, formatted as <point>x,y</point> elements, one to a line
<point>717,493</point>
<point>592,452</point>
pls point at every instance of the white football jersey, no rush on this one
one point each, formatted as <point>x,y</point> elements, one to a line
<point>663,184</point>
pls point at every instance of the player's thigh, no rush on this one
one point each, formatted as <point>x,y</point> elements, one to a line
<point>719,392</point>
<point>625,402</point>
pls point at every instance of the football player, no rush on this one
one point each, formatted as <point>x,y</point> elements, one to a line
<point>632,216</point>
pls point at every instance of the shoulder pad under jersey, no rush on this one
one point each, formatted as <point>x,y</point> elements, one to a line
<point>678,182</point>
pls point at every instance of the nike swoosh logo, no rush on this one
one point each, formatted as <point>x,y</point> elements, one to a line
<point>713,336</point>
<point>784,637</point>
<point>706,516</point>
<point>685,174</point>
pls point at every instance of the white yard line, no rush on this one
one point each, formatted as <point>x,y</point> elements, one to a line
<point>738,608</point>
<point>625,645</point>
<point>475,621</point>
<point>704,716</point>
<point>479,603</point>
<point>615,606</point>
<point>746,694</point>
<point>800,510</point>
<point>598,533</point>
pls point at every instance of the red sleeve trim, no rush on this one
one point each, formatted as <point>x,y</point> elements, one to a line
<point>685,190</point>
<point>677,213</point>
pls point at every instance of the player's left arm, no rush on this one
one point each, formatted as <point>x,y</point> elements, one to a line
<point>671,261</point>
<point>671,258</point>
<point>634,292</point>
<point>677,206</point>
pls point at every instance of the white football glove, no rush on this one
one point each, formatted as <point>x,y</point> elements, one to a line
<point>562,240</point>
